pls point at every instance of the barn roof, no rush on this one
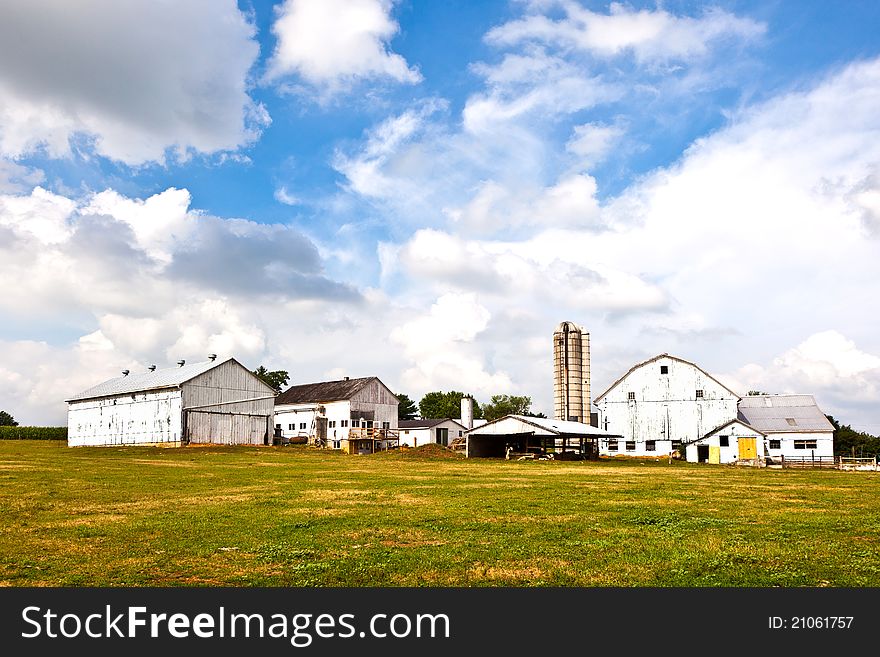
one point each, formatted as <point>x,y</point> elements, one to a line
<point>658,357</point>
<point>783,413</point>
<point>325,391</point>
<point>426,423</point>
<point>169,377</point>
<point>729,422</point>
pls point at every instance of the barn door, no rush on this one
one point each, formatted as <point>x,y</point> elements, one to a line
<point>747,448</point>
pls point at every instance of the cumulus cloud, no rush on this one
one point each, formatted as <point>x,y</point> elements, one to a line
<point>592,142</point>
<point>650,35</point>
<point>333,43</point>
<point>15,178</point>
<point>133,80</point>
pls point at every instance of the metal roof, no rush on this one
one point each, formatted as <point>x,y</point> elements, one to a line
<point>426,423</point>
<point>170,377</point>
<point>729,422</point>
<point>651,360</point>
<point>325,391</point>
<point>783,413</point>
<point>551,426</point>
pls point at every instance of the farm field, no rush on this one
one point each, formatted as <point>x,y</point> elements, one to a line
<point>296,516</point>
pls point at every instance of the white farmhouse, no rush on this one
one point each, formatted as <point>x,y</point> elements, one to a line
<point>414,433</point>
<point>210,402</point>
<point>662,404</point>
<point>355,415</point>
<point>794,426</point>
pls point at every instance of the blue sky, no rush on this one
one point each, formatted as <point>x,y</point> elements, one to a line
<point>423,190</point>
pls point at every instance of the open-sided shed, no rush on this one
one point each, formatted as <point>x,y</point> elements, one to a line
<point>520,434</point>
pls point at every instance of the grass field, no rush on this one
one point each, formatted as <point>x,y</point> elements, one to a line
<point>295,516</point>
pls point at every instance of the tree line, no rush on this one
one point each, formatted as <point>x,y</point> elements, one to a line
<point>439,404</point>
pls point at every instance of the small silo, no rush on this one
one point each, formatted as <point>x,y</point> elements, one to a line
<point>467,412</point>
<point>571,373</point>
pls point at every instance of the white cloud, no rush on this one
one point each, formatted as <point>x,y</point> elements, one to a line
<point>134,80</point>
<point>15,178</point>
<point>282,195</point>
<point>592,142</point>
<point>649,35</point>
<point>332,43</point>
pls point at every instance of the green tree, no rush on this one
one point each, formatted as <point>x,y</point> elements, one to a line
<point>849,442</point>
<point>502,405</point>
<point>436,405</point>
<point>276,380</point>
<point>6,420</point>
<point>406,407</point>
<point>756,393</point>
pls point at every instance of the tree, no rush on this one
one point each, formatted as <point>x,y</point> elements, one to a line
<point>756,393</point>
<point>406,407</point>
<point>849,442</point>
<point>6,420</point>
<point>502,405</point>
<point>276,380</point>
<point>437,405</point>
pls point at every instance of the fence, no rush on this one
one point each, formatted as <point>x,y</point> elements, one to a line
<point>855,463</point>
<point>812,461</point>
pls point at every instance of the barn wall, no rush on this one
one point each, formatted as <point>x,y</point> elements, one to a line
<point>229,381</point>
<point>729,454</point>
<point>143,418</point>
<point>380,400</point>
<point>824,444</point>
<point>665,407</point>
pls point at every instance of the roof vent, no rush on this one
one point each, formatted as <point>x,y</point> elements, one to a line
<point>124,372</point>
<point>152,368</point>
<point>181,363</point>
<point>345,378</point>
<point>212,357</point>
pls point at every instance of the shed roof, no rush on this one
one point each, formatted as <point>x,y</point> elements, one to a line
<point>783,414</point>
<point>658,357</point>
<point>426,423</point>
<point>169,377</point>
<point>539,425</point>
<point>729,422</point>
<point>325,391</point>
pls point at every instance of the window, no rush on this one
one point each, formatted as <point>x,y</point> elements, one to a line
<point>355,423</point>
<point>343,423</point>
<point>406,432</point>
<point>676,444</point>
<point>612,445</point>
<point>664,369</point>
<point>291,427</point>
<point>277,426</point>
<point>460,434</point>
<point>805,444</point>
<point>630,445</point>
<point>331,424</point>
<point>699,394</point>
<point>724,441</point>
<point>791,421</point>
<point>631,396</point>
<point>775,444</point>
<point>651,445</point>
<point>337,444</point>
<point>386,425</point>
<point>302,425</point>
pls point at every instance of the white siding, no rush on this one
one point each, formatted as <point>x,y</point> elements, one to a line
<point>665,407</point>
<point>426,435</point>
<point>729,453</point>
<point>824,444</point>
<point>142,418</point>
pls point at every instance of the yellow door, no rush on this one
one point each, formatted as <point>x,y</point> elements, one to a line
<point>747,448</point>
<point>714,454</point>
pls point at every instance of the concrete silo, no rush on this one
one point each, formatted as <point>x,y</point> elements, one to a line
<point>571,373</point>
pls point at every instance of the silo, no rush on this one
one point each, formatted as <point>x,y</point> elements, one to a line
<point>467,412</point>
<point>571,373</point>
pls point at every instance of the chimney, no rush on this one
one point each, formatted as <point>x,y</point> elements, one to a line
<point>467,412</point>
<point>212,357</point>
<point>152,368</point>
<point>181,363</point>
<point>124,372</point>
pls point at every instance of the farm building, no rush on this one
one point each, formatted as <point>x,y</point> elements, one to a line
<point>414,433</point>
<point>733,441</point>
<point>523,435</point>
<point>208,402</point>
<point>662,404</point>
<point>355,415</point>
<point>794,426</point>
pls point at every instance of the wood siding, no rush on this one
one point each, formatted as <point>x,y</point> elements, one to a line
<point>142,418</point>
<point>227,428</point>
<point>378,399</point>
<point>225,383</point>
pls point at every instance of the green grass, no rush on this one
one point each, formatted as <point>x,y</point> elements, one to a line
<point>295,516</point>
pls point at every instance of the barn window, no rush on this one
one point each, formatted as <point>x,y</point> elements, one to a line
<point>775,444</point>
<point>343,423</point>
<point>355,423</point>
<point>630,445</point>
<point>631,396</point>
<point>291,427</point>
<point>460,434</point>
<point>386,425</point>
<point>612,445</point>
<point>699,394</point>
<point>676,444</point>
<point>791,421</point>
<point>651,445</point>
<point>664,369</point>
<point>805,444</point>
<point>723,441</point>
<point>337,444</point>
<point>302,425</point>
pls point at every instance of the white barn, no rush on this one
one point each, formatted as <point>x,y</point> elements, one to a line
<point>793,425</point>
<point>414,433</point>
<point>733,441</point>
<point>355,415</point>
<point>663,404</point>
<point>212,402</point>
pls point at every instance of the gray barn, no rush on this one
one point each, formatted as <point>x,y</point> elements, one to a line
<point>212,402</point>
